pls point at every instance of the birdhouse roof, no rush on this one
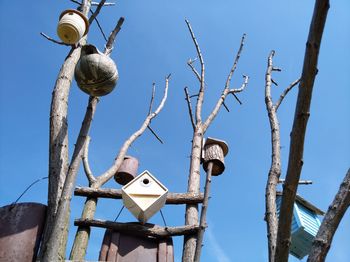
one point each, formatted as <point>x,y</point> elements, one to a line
<point>305,203</point>
<point>221,143</point>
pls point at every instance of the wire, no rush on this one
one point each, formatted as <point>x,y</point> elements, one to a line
<point>32,184</point>
<point>119,214</point>
<point>163,218</point>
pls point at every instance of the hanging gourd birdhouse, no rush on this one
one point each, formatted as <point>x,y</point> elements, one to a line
<point>305,225</point>
<point>96,73</point>
<point>144,196</point>
<point>127,171</point>
<point>72,26</point>
<point>214,151</point>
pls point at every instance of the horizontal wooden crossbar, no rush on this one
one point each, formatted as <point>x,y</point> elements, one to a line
<point>172,198</point>
<point>138,229</point>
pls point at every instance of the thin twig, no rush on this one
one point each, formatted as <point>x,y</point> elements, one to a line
<point>189,105</point>
<point>155,134</point>
<point>190,64</point>
<point>285,92</point>
<point>97,11</point>
<point>53,40</point>
<point>274,82</point>
<point>86,164</point>
<point>225,106</point>
<point>275,168</point>
<point>112,36</point>
<point>152,98</point>
<point>301,182</point>
<point>102,179</point>
<point>236,97</point>
<point>201,89</point>
<point>105,4</point>
<point>234,66</point>
<point>93,3</point>
<point>243,86</point>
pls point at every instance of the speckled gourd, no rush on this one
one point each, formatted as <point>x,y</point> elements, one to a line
<point>96,73</point>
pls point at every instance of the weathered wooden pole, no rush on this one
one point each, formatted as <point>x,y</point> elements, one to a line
<point>214,153</point>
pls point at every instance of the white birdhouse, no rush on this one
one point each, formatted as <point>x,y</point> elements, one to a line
<point>144,196</point>
<point>72,26</point>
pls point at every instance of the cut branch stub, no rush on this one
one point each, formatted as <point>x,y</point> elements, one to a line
<point>215,151</point>
<point>127,171</point>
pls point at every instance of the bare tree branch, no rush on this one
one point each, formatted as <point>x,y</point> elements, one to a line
<point>102,179</point>
<point>285,92</point>
<point>274,82</point>
<point>331,221</point>
<point>234,66</point>
<point>58,139</point>
<point>301,116</point>
<point>201,89</point>
<point>112,36</point>
<point>82,235</point>
<point>301,182</point>
<point>190,64</point>
<point>152,98</point>
<point>86,165</point>
<point>225,106</point>
<point>189,107</point>
<point>221,100</point>
<point>171,199</point>
<point>52,246</point>
<point>275,168</point>
<point>93,3</point>
<point>53,40</point>
<point>97,11</point>
<point>138,229</point>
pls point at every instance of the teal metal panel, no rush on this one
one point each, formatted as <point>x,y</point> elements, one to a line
<point>305,225</point>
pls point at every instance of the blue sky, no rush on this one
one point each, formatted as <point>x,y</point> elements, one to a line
<point>154,41</point>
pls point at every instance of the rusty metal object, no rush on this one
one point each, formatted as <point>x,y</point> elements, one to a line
<point>21,227</point>
<point>120,247</point>
<point>127,171</point>
<point>215,151</point>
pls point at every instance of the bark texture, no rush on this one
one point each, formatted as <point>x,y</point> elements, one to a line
<point>199,128</point>
<point>330,223</point>
<point>275,169</point>
<point>51,247</point>
<point>58,139</point>
<point>301,116</point>
<point>138,229</point>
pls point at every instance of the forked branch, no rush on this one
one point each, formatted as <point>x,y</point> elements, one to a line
<point>202,75</point>
<point>112,36</point>
<point>102,179</point>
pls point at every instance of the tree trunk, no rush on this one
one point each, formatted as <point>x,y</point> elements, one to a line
<point>301,116</point>
<point>58,141</point>
<point>191,217</point>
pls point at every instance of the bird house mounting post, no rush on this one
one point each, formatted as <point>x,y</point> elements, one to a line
<point>214,152</point>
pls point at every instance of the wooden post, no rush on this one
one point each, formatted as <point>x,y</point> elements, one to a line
<point>214,152</point>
